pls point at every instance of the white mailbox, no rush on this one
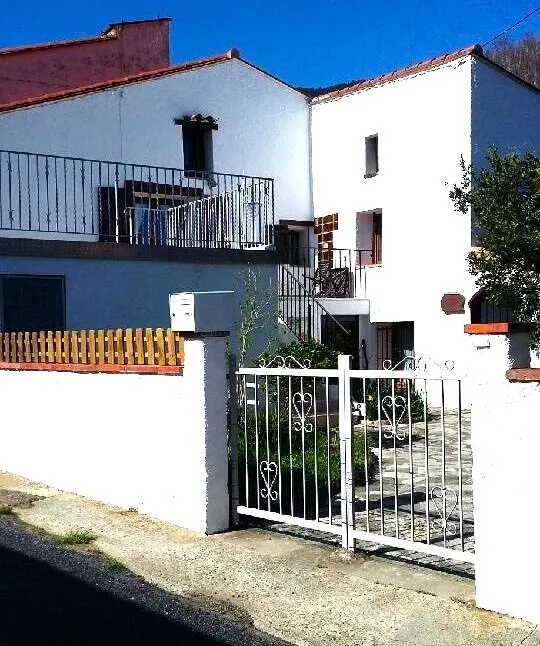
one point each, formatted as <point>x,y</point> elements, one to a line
<point>202,311</point>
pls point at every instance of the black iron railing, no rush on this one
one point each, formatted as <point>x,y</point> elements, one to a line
<point>48,196</point>
<point>328,273</point>
<point>300,311</point>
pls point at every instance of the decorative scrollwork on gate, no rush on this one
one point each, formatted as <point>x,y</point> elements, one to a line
<point>445,501</point>
<point>394,407</point>
<point>269,471</point>
<point>283,362</point>
<point>420,364</point>
<point>302,404</point>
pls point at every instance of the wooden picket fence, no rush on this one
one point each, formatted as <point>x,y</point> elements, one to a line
<point>139,346</point>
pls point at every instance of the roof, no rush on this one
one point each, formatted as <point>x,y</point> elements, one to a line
<point>401,73</point>
<point>110,33</point>
<point>126,80</point>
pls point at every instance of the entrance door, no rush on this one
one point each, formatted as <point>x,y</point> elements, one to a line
<point>345,341</point>
<point>395,342</point>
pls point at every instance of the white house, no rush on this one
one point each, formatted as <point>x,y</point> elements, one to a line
<point>386,153</point>
<point>115,194</point>
<point>177,178</point>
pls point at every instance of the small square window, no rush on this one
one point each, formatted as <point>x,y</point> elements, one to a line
<point>372,155</point>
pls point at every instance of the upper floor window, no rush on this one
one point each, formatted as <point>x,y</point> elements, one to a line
<point>372,155</point>
<point>197,142</point>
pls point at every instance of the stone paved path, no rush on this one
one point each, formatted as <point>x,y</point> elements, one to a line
<point>411,471</point>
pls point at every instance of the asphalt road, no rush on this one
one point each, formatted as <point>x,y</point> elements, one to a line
<point>52,595</point>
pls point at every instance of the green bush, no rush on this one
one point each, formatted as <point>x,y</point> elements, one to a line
<point>310,457</point>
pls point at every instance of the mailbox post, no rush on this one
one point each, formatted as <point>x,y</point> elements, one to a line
<point>206,320</point>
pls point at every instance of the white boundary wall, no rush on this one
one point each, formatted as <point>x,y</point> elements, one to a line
<point>506,449</point>
<point>154,442</point>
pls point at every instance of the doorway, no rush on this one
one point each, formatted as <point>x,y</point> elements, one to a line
<point>342,339</point>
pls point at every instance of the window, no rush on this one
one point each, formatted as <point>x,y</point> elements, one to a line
<point>287,243</point>
<point>197,143</point>
<point>395,344</point>
<point>32,303</point>
<point>485,311</point>
<point>376,238</point>
<point>372,156</point>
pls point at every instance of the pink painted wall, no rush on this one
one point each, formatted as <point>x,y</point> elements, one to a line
<point>122,49</point>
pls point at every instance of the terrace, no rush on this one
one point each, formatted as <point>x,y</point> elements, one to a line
<point>49,197</point>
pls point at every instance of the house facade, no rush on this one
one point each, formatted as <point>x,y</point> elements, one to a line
<point>180,178</point>
<point>385,155</point>
<point>116,194</point>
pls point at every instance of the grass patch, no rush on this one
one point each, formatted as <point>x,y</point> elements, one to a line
<point>6,510</point>
<point>73,538</point>
<point>114,564</point>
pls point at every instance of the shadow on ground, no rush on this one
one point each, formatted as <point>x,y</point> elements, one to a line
<point>49,595</point>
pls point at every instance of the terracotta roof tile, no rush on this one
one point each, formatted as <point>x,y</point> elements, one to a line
<point>401,73</point>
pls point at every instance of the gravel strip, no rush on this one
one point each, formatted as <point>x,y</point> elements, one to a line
<point>182,620</point>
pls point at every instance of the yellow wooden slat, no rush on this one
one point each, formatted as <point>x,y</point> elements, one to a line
<point>83,347</point>
<point>66,356</point>
<point>50,347</point>
<point>34,350</point>
<point>180,351</point>
<point>110,347</point>
<point>119,334</point>
<point>130,357</point>
<point>100,358</point>
<point>160,347</point>
<point>139,341</point>
<point>149,342</point>
<point>75,340</point>
<point>20,347</point>
<point>171,348</point>
<point>92,355</point>
<point>42,348</point>
<point>27,353</point>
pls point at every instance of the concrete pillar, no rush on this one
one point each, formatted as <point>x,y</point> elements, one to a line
<point>505,438</point>
<point>205,419</point>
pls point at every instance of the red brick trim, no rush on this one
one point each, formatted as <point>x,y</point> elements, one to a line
<point>94,368</point>
<point>497,328</point>
<point>523,374</point>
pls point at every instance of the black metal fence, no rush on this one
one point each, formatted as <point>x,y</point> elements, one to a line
<point>337,275</point>
<point>48,196</point>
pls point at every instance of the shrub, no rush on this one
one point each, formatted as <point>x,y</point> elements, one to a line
<point>311,457</point>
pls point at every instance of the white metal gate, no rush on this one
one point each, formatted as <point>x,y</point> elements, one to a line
<point>377,455</point>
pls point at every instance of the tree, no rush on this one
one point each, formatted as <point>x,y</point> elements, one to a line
<point>504,199</point>
<point>521,58</point>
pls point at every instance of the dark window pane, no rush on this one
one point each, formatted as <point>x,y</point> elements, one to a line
<point>32,304</point>
<point>194,140</point>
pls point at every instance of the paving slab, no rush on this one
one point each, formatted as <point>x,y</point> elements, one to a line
<point>293,589</point>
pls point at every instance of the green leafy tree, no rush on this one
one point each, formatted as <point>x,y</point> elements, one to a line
<point>504,199</point>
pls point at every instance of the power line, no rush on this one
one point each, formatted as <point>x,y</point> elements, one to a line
<point>513,26</point>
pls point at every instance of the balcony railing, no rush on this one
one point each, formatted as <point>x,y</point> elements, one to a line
<point>67,198</point>
<point>328,273</point>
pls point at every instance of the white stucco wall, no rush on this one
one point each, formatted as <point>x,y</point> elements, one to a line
<point>263,127</point>
<point>423,125</point>
<point>505,113</point>
<point>157,443</point>
<point>506,445</point>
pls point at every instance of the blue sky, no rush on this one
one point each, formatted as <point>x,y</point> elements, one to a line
<point>315,42</point>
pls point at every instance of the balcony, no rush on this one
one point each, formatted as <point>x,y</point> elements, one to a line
<point>48,197</point>
<point>328,273</point>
